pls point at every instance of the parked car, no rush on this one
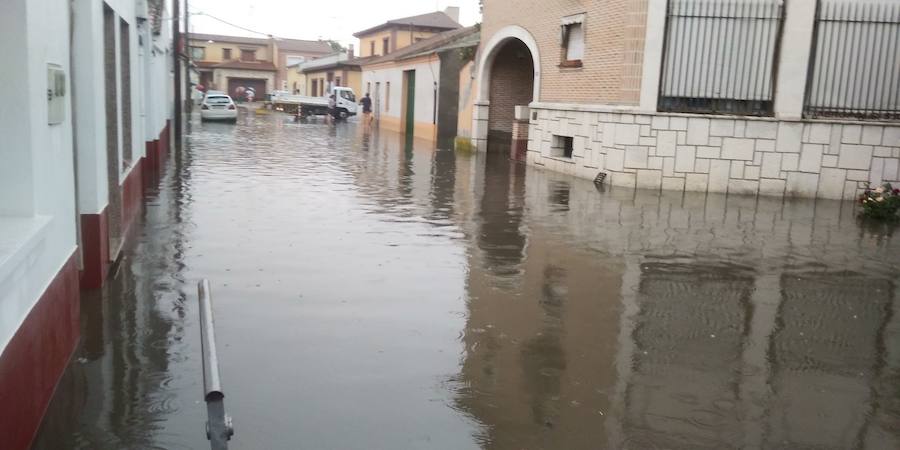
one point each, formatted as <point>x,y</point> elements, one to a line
<point>218,107</point>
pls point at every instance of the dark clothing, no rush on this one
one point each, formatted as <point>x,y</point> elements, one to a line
<point>366,104</point>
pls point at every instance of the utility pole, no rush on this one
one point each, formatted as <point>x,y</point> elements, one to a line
<point>190,58</point>
<point>176,55</point>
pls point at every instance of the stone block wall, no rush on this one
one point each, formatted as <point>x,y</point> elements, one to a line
<point>737,155</point>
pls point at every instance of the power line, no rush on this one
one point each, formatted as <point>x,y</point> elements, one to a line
<point>230,24</point>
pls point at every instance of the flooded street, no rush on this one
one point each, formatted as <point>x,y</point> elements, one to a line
<point>371,293</point>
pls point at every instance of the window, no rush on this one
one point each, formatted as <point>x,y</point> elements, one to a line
<point>572,41</point>
<point>314,89</point>
<point>372,48</point>
<point>368,88</point>
<point>226,54</point>
<point>563,146</point>
<point>347,95</point>
<point>337,81</point>
<point>198,53</point>
<point>387,96</point>
<point>248,55</point>
<point>386,46</point>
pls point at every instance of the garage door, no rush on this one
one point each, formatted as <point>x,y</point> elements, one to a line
<point>258,85</point>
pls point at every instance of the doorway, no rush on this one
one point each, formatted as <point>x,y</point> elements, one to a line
<point>511,84</point>
<point>377,104</point>
<point>409,101</point>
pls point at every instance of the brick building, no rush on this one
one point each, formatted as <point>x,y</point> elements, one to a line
<point>747,97</point>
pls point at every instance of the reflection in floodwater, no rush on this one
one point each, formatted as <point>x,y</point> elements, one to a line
<point>373,292</point>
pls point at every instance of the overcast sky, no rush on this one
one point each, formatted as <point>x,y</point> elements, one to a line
<point>300,19</point>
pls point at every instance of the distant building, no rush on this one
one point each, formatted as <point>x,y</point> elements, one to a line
<point>317,77</point>
<point>416,89</point>
<point>763,97</point>
<point>85,125</point>
<point>228,62</point>
<point>395,34</point>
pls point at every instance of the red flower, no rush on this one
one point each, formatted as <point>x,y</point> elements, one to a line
<point>896,191</point>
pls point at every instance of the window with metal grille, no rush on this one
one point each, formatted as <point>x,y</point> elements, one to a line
<point>720,56</point>
<point>855,62</point>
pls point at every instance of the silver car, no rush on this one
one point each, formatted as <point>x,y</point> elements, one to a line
<point>218,107</point>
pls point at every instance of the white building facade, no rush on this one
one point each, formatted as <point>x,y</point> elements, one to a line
<point>85,125</point>
<point>757,97</point>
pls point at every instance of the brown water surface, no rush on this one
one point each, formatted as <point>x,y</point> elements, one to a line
<point>376,294</point>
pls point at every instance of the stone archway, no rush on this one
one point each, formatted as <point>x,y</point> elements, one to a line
<point>508,76</point>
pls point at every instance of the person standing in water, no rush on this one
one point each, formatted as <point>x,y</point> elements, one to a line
<point>366,103</point>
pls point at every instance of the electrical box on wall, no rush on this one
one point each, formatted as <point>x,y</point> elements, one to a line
<point>56,94</point>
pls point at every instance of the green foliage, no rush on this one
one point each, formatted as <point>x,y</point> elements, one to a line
<point>336,46</point>
<point>882,203</point>
<point>464,145</point>
<point>467,54</point>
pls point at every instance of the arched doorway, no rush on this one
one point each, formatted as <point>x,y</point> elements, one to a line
<point>508,76</point>
<point>511,85</point>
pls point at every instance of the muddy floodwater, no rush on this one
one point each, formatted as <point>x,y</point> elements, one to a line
<point>375,293</point>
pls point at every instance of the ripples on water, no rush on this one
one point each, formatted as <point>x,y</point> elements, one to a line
<point>373,293</point>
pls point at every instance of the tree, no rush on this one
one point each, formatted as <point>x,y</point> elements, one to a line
<point>336,46</point>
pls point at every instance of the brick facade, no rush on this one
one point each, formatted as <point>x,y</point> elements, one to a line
<point>512,79</point>
<point>614,40</point>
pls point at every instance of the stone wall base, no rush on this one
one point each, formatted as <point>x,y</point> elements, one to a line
<point>725,154</point>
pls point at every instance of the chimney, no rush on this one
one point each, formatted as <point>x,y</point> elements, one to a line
<point>350,53</point>
<point>453,12</point>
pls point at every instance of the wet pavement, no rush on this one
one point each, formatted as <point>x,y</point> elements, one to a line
<point>376,294</point>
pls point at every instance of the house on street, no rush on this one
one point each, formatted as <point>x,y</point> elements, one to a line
<point>85,127</point>
<point>229,62</point>
<point>398,33</point>
<point>761,97</point>
<point>318,76</point>
<point>416,89</point>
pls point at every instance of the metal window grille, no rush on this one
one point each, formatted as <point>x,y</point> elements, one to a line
<point>720,56</point>
<point>855,65</point>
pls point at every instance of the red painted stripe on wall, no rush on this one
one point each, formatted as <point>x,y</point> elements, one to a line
<point>36,357</point>
<point>94,249</point>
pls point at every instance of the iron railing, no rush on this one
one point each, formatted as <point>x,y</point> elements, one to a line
<point>219,428</point>
<point>720,56</point>
<point>855,62</point>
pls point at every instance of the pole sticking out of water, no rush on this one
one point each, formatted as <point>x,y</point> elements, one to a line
<point>219,428</point>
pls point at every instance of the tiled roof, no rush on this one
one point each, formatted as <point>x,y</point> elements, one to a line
<point>469,35</point>
<point>245,65</point>
<point>354,63</point>
<point>297,45</point>
<point>435,20</point>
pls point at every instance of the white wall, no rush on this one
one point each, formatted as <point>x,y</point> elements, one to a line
<point>89,106</point>
<point>16,182</point>
<point>427,74</point>
<point>51,234</point>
